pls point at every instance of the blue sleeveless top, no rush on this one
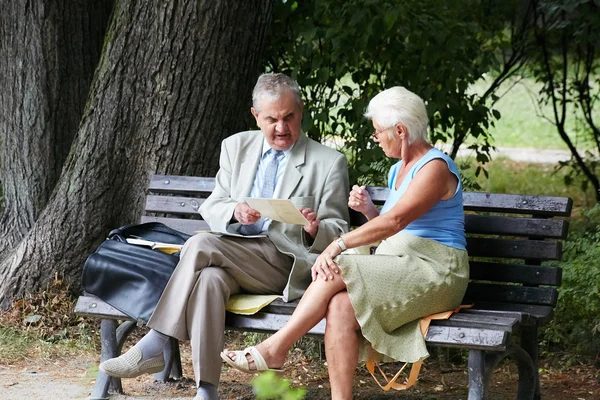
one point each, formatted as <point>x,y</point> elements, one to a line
<point>445,221</point>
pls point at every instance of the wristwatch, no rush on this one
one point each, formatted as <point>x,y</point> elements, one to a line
<point>341,243</point>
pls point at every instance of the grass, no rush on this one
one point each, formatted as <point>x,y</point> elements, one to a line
<point>19,344</point>
<point>507,176</point>
<point>44,325</point>
<point>524,123</point>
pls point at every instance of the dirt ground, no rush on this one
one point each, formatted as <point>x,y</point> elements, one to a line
<point>73,378</point>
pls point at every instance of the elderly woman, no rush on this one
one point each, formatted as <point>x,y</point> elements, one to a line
<point>373,303</point>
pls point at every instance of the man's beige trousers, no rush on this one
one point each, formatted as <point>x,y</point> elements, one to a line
<point>210,270</point>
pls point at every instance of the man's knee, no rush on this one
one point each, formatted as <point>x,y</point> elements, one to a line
<point>216,278</point>
<point>201,241</point>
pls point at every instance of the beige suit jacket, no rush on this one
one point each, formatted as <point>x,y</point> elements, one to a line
<point>316,177</point>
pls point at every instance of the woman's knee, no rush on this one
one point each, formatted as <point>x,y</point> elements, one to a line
<point>340,311</point>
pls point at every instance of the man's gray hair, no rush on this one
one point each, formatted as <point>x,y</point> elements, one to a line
<point>399,105</point>
<point>270,86</point>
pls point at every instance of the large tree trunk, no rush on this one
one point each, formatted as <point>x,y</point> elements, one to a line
<point>48,53</point>
<point>174,80</point>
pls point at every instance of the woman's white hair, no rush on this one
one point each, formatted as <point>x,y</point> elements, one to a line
<point>270,86</point>
<point>400,105</point>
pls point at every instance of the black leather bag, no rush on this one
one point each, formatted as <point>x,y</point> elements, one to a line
<point>129,277</point>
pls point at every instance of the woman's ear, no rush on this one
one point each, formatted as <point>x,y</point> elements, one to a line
<point>400,130</point>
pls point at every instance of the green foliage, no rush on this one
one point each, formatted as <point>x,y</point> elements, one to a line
<point>576,325</point>
<point>567,64</point>
<point>270,386</point>
<point>344,52</point>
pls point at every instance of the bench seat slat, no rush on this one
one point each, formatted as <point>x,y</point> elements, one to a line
<point>513,226</point>
<point>91,306</point>
<point>544,296</point>
<point>484,321</point>
<point>516,273</point>
<point>513,248</point>
<point>265,322</point>
<point>534,314</point>
<point>488,339</point>
<point>189,226</point>
<point>173,204</point>
<point>483,339</point>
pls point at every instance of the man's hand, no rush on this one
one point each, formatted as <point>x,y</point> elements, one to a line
<point>245,215</point>
<point>311,216</point>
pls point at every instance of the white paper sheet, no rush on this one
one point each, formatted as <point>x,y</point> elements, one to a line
<point>237,235</point>
<point>282,210</point>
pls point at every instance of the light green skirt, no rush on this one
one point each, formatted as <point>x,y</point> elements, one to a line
<point>408,278</point>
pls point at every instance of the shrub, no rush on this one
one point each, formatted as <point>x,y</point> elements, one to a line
<point>576,326</point>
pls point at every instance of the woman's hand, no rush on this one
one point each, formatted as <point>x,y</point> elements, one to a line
<point>324,266</point>
<point>360,200</point>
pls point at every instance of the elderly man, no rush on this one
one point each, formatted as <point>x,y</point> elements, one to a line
<point>278,161</point>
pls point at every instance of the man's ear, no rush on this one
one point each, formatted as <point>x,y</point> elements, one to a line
<point>254,112</point>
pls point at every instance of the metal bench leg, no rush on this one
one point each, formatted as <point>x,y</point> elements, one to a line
<point>476,368</point>
<point>172,362</point>
<point>482,365</point>
<point>112,339</point>
<point>108,340</point>
<point>529,343</point>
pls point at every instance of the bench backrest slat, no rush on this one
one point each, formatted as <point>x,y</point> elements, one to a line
<point>189,226</point>
<point>513,248</point>
<point>181,184</point>
<point>529,227</point>
<point>507,237</point>
<point>516,273</point>
<point>173,204</point>
<point>543,296</point>
<point>505,203</point>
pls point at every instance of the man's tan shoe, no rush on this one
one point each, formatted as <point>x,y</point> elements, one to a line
<point>130,364</point>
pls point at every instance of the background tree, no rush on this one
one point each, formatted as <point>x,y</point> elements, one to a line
<point>344,52</point>
<point>173,80</point>
<point>567,63</point>
<point>48,53</point>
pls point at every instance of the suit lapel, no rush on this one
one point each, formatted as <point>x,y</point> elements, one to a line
<point>292,175</point>
<point>249,166</point>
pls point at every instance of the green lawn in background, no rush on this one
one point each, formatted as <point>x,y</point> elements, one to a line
<point>507,176</point>
<point>522,123</point>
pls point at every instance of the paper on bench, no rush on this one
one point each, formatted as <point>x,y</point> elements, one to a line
<point>282,210</point>
<point>237,235</point>
<point>248,304</point>
<point>164,247</point>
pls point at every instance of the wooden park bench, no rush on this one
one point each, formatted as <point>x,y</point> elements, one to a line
<point>509,237</point>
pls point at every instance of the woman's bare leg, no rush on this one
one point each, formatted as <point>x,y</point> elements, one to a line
<point>310,310</point>
<point>341,345</point>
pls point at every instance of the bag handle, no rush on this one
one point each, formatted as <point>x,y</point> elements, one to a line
<point>126,231</point>
<point>416,367</point>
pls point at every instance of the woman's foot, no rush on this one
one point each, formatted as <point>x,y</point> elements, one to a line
<point>253,359</point>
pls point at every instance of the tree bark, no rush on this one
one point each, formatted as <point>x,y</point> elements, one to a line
<point>48,53</point>
<point>174,79</point>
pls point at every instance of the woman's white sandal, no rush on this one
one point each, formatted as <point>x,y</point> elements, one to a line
<point>241,362</point>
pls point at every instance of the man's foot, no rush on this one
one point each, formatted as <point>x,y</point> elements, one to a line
<point>248,360</point>
<point>131,364</point>
<point>207,391</point>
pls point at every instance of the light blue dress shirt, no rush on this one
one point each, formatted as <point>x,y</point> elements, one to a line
<point>260,176</point>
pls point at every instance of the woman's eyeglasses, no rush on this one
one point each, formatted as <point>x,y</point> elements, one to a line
<point>376,133</point>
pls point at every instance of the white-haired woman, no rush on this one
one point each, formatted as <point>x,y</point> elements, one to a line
<point>373,303</point>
